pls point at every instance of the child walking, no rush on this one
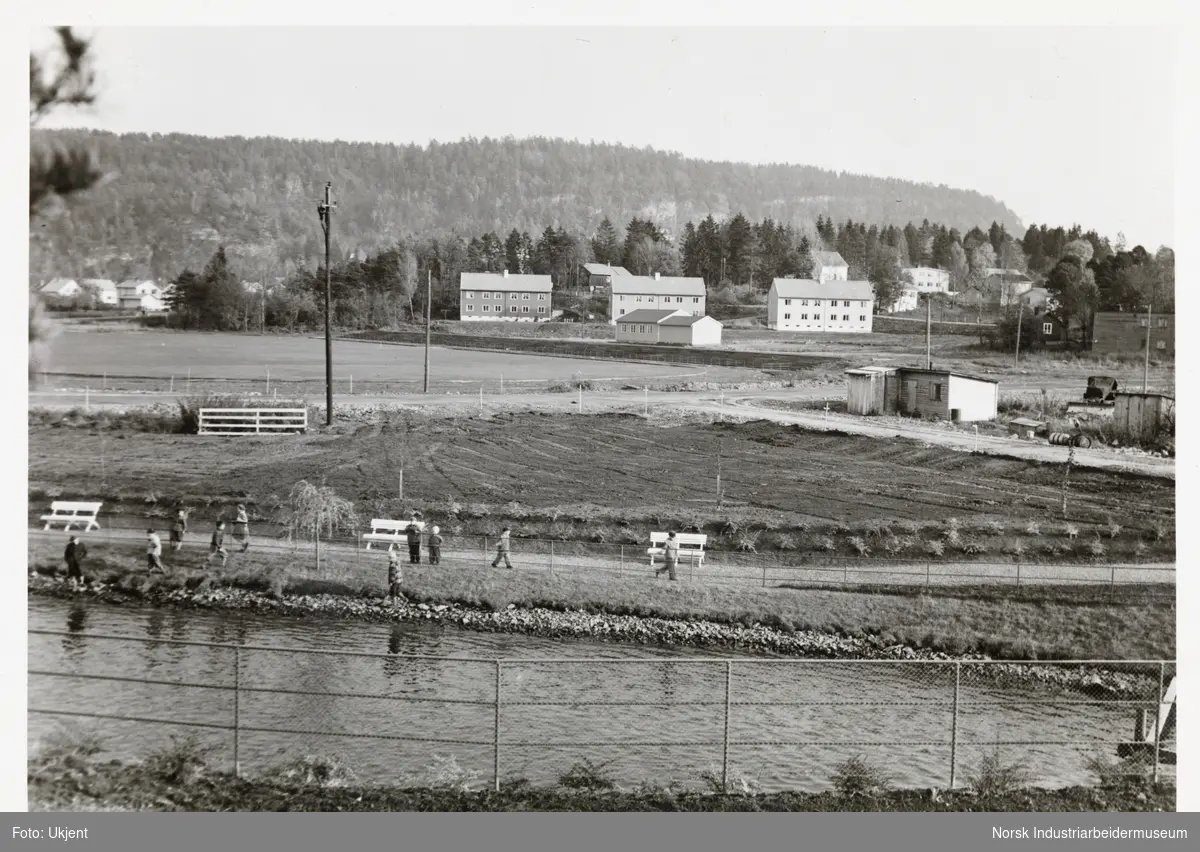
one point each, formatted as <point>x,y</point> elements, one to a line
<point>217,545</point>
<point>435,546</point>
<point>395,576</point>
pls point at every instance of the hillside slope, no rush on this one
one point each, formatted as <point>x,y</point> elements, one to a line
<point>173,198</point>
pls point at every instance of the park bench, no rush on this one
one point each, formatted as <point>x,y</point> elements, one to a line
<point>62,512</point>
<point>691,547</point>
<point>391,532</point>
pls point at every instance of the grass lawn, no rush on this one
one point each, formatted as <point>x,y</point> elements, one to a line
<point>1000,626</point>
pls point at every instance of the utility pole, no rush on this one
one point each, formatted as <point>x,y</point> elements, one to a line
<point>1020,316</point>
<point>1146,369</point>
<point>928,330</point>
<point>325,213</point>
<point>428,320</point>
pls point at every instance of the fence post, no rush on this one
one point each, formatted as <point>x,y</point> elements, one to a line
<point>1112,581</point>
<point>764,575</point>
<point>725,750</point>
<point>927,573</point>
<point>237,689</point>
<point>496,733</point>
<point>954,725</point>
<point>257,420</point>
<point>1162,666</point>
<point>552,557</point>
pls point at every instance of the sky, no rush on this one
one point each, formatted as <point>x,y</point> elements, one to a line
<point>1063,125</point>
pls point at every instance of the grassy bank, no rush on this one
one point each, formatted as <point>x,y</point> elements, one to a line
<point>1065,625</point>
<point>71,778</point>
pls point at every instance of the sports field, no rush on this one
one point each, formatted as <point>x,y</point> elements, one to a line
<point>233,357</point>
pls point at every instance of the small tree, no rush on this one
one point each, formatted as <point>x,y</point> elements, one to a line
<point>311,509</point>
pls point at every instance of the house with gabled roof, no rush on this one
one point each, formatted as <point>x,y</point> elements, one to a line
<point>668,326</point>
<point>500,297</point>
<point>628,293</point>
<point>803,304</point>
<point>601,274</point>
<point>829,266</point>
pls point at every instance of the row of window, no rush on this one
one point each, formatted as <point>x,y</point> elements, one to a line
<point>817,303</point>
<point>471,295</point>
<point>1145,323</point>
<point>832,317</point>
<point>500,309</point>
<point>664,299</point>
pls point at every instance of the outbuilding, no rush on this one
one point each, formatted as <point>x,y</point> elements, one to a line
<point>661,326</point>
<point>922,393</point>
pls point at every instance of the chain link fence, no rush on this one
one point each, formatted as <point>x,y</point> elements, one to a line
<point>764,723</point>
<point>350,554</point>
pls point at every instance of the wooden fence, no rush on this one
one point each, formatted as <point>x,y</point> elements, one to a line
<point>252,421</point>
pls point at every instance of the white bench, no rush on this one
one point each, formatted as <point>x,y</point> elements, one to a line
<point>73,513</point>
<point>691,546</point>
<point>391,532</point>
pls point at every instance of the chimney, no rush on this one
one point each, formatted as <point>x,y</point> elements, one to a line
<point>657,276</point>
<point>506,273</point>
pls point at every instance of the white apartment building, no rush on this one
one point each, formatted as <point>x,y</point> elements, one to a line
<point>835,306</point>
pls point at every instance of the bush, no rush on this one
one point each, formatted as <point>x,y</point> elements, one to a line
<point>1132,771</point>
<point>995,527</point>
<point>1033,528</point>
<point>181,763</point>
<point>1114,529</point>
<point>827,544</point>
<point>748,542</point>
<point>317,771</point>
<point>935,548</point>
<point>586,777</point>
<point>973,548</point>
<point>994,777</point>
<point>1096,548</point>
<point>858,777</point>
<point>860,546</point>
<point>786,542</point>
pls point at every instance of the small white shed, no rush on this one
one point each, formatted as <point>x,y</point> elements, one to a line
<point>690,331</point>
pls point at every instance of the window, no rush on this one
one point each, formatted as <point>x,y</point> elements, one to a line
<point>937,392</point>
<point>469,295</point>
<point>787,301</point>
<point>803,316</point>
<point>485,308</point>
<point>468,308</point>
<point>787,316</point>
<point>862,318</point>
<point>541,309</point>
<point>622,311</point>
<point>695,313</point>
<point>1143,322</point>
<point>525,296</point>
<point>679,300</point>
<point>846,305</point>
<point>1162,322</point>
<point>695,300</point>
<point>1162,344</point>
<point>619,298</point>
<point>804,302</point>
<point>1047,328</point>
<point>639,298</point>
<point>862,304</point>
<point>513,308</point>
<point>846,317</point>
<point>541,297</point>
<point>512,295</point>
<point>524,309</point>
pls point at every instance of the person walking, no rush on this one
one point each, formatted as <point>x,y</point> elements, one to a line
<point>154,553</point>
<point>413,531</point>
<point>435,546</point>
<point>216,547</point>
<point>502,548</point>
<point>241,527</point>
<point>395,576</point>
<point>75,553</point>
<point>670,556</point>
<point>178,529</point>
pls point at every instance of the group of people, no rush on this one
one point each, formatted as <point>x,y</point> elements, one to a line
<point>241,531</point>
<point>412,534</point>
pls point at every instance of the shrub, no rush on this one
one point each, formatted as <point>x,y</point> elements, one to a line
<point>802,526</point>
<point>478,510</point>
<point>1132,771</point>
<point>313,770</point>
<point>733,786</point>
<point>1017,549</point>
<point>827,544</point>
<point>1033,528</point>
<point>952,526</point>
<point>858,777</point>
<point>1096,547</point>
<point>893,546</point>
<point>841,528</point>
<point>444,773</point>
<point>953,537</point>
<point>182,762</point>
<point>860,546</point>
<point>515,511</point>
<point>1114,529</point>
<point>935,548</point>
<point>1159,530</point>
<point>748,542</point>
<point>973,548</point>
<point>1140,549</point>
<point>586,776</point>
<point>995,527</point>
<point>994,777</point>
<point>911,527</point>
<point>784,541</point>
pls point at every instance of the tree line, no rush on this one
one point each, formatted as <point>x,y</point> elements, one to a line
<point>737,259</point>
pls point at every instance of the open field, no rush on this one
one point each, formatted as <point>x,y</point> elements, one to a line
<point>785,475</point>
<point>160,355</point>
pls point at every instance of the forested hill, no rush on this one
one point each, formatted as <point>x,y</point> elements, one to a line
<point>172,198</point>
